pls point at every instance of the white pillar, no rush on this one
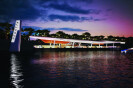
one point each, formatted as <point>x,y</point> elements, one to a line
<point>91,45</point>
<point>79,44</point>
<point>106,45</point>
<point>54,43</point>
<point>99,45</point>
<point>59,45</point>
<point>113,45</point>
<point>73,44</point>
<point>50,45</point>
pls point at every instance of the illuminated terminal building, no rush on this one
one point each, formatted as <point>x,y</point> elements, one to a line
<point>73,43</point>
<point>49,42</point>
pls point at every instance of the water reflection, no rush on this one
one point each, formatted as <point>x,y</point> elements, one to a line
<point>101,69</point>
<point>53,57</point>
<point>16,73</point>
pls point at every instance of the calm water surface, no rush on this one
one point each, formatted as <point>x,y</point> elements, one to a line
<point>71,69</point>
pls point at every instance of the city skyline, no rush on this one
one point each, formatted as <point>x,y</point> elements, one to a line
<point>98,17</point>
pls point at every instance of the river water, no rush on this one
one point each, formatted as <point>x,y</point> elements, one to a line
<point>67,69</point>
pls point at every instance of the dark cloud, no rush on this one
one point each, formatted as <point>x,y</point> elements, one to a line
<point>99,19</point>
<point>66,18</point>
<point>54,17</point>
<point>52,29</point>
<point>122,7</point>
<point>66,29</point>
<point>87,1</point>
<point>64,1</point>
<point>27,10</point>
<point>18,9</point>
<point>32,9</point>
<point>72,9</point>
<point>34,27</point>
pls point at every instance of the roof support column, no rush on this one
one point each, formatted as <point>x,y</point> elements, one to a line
<point>59,45</point>
<point>113,45</point>
<point>91,45</point>
<point>73,45</point>
<point>54,43</point>
<point>106,45</point>
<point>79,44</point>
<point>50,45</point>
<point>99,45</point>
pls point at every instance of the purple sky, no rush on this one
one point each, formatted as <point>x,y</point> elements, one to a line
<point>99,17</point>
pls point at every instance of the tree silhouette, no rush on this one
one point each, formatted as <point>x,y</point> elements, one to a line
<point>53,35</point>
<point>75,36</point>
<point>67,36</point>
<point>6,27</point>
<point>30,30</point>
<point>2,34</point>
<point>44,33</point>
<point>101,37</point>
<point>86,36</point>
<point>60,34</point>
<point>111,38</point>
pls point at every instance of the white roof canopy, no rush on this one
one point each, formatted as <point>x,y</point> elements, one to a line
<point>73,40</point>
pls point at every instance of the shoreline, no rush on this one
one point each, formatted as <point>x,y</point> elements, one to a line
<point>66,49</point>
<point>27,46</point>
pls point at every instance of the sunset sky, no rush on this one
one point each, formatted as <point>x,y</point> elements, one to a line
<point>99,17</point>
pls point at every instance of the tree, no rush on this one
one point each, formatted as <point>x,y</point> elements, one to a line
<point>6,27</point>
<point>111,38</point>
<point>95,38</point>
<point>44,33</point>
<point>53,35</point>
<point>30,30</point>
<point>75,36</point>
<point>2,34</point>
<point>129,42</point>
<point>101,37</point>
<point>86,35</point>
<point>60,34</point>
<point>67,36</point>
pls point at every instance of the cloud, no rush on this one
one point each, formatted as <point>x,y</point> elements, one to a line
<point>18,9</point>
<point>73,9</point>
<point>25,13</point>
<point>63,17</point>
<point>98,19</point>
<point>87,1</point>
<point>64,1</point>
<point>53,29</point>
<point>34,27</point>
<point>73,18</point>
<point>33,10</point>
<point>66,29</point>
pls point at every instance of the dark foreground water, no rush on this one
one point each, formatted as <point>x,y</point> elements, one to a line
<point>70,69</point>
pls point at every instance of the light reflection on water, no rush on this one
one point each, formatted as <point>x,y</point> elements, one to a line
<point>74,69</point>
<point>99,69</point>
<point>16,73</point>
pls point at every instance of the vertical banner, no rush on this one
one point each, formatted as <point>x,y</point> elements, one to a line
<point>16,37</point>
